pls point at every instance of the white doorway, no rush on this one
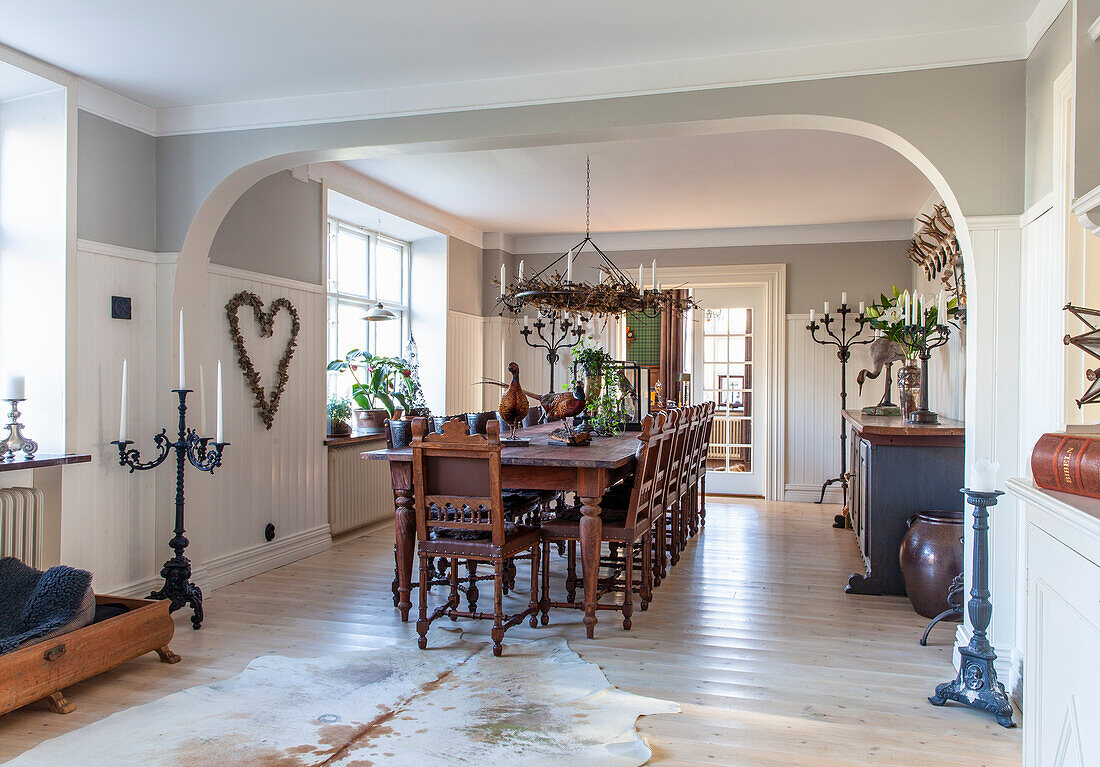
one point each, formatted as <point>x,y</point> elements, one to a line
<point>729,367</point>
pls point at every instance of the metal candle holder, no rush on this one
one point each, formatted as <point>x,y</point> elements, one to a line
<point>843,343</point>
<point>976,684</point>
<point>15,440</point>
<point>924,338</point>
<point>560,330</point>
<point>204,455</point>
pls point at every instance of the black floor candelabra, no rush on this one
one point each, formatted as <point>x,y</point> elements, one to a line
<point>205,455</point>
<point>561,327</point>
<point>976,684</point>
<point>843,341</point>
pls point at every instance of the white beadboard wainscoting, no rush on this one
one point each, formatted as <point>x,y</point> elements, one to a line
<point>359,492</point>
<point>465,362</point>
<point>277,475</point>
<point>108,519</point>
<point>813,410</point>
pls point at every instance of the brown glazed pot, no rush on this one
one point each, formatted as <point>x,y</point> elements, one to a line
<point>931,556</point>
<point>370,419</point>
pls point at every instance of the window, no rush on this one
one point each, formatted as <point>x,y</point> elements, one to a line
<point>365,267</point>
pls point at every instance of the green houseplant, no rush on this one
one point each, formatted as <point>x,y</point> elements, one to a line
<point>339,415</point>
<point>381,385</point>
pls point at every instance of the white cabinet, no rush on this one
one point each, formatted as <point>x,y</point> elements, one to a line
<point>1061,672</point>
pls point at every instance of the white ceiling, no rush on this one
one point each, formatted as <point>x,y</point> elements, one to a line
<point>171,55</point>
<point>753,179</point>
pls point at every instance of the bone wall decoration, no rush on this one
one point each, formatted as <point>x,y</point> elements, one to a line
<point>936,250</point>
<point>268,405</point>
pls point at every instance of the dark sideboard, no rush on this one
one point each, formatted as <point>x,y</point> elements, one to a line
<point>897,471</point>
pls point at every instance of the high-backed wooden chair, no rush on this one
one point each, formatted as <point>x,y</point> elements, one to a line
<point>689,523</point>
<point>626,525</point>
<point>461,514</point>
<point>660,438</point>
<point>673,484</point>
<point>700,476</point>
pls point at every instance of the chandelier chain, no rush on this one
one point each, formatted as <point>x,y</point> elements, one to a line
<point>588,196</point>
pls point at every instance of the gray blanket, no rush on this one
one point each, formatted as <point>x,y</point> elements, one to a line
<point>34,604</point>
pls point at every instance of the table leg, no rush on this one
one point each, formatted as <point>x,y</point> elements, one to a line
<point>404,533</point>
<point>591,485</point>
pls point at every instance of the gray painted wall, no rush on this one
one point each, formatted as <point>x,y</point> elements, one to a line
<point>969,121</point>
<point>1087,157</point>
<point>1052,54</point>
<point>466,281</point>
<point>116,183</point>
<point>274,228</point>
<point>815,273</point>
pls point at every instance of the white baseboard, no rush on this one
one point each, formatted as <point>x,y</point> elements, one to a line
<point>796,493</point>
<point>242,564</point>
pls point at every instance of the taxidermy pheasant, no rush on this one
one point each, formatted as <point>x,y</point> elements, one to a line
<point>555,407</point>
<point>513,407</point>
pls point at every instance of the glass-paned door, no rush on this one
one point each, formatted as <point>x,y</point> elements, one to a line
<point>728,372</point>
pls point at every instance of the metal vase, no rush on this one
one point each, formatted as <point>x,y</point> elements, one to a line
<point>909,383</point>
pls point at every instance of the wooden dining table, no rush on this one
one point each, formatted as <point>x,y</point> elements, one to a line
<point>586,470</point>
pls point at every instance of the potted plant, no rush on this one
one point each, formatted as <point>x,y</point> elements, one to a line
<point>339,415</point>
<point>592,360</point>
<point>383,386</point>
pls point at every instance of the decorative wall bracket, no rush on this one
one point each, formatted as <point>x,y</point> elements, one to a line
<point>1089,343</point>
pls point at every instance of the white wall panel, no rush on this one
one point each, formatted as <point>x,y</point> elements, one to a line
<point>465,362</point>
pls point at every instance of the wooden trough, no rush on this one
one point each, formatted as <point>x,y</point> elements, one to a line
<point>45,669</point>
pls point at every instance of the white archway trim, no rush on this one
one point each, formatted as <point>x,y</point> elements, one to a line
<point>773,278</point>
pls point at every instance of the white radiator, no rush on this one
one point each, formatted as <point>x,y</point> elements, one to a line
<point>21,524</point>
<point>358,491</point>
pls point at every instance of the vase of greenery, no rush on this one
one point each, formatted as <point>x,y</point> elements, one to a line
<point>382,385</point>
<point>339,416</point>
<point>591,360</point>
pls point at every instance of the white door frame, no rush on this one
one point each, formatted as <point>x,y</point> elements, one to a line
<point>773,278</point>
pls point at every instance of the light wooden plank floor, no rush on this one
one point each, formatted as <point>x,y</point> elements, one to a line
<point>752,634</point>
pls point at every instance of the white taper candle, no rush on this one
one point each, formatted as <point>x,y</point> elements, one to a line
<point>503,278</point>
<point>183,378</point>
<point>641,289</point>
<point>122,409</point>
<point>843,297</point>
<point>826,307</point>
<point>653,274</point>
<point>219,433</point>
<point>519,277</point>
<point>203,423</point>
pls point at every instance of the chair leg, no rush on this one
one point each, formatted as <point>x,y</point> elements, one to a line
<point>536,558</point>
<point>571,573</point>
<point>628,586</point>
<point>674,534</point>
<point>498,608</point>
<point>455,598</point>
<point>544,604</point>
<point>423,624</point>
<point>647,570</point>
<point>471,585</point>
<point>703,501</point>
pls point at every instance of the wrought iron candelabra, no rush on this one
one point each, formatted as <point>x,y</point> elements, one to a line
<point>561,327</point>
<point>924,338</point>
<point>976,684</point>
<point>843,341</point>
<point>205,455</point>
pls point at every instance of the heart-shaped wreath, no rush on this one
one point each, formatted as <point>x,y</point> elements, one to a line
<point>267,406</point>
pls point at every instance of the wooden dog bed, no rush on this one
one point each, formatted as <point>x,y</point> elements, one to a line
<point>45,669</point>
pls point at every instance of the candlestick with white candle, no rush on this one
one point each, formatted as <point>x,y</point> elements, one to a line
<point>219,434</point>
<point>183,378</point>
<point>17,388</point>
<point>122,408</point>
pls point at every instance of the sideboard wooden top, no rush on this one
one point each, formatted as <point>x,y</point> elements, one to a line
<point>42,461</point>
<point>896,426</point>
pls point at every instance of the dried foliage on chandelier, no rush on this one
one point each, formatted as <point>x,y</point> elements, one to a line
<point>935,248</point>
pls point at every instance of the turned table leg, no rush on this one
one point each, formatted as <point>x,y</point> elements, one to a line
<point>404,533</point>
<point>591,485</point>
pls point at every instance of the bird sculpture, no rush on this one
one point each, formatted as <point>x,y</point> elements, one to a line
<point>513,407</point>
<point>555,406</point>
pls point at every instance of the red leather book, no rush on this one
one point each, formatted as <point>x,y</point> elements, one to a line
<point>1067,463</point>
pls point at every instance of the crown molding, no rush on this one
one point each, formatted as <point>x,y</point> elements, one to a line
<point>115,107</point>
<point>867,231</point>
<point>930,51</point>
<point>989,223</point>
<point>1046,11</point>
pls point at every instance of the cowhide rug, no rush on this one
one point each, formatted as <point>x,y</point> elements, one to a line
<point>539,704</point>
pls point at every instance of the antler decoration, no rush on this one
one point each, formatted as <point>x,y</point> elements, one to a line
<point>935,248</point>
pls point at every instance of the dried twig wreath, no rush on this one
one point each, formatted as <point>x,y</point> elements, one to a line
<point>266,406</point>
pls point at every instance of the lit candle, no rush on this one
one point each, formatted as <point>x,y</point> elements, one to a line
<point>654,274</point>
<point>519,278</point>
<point>811,315</point>
<point>203,423</point>
<point>826,307</point>
<point>861,307</point>
<point>17,388</point>
<point>503,278</point>
<point>183,379</point>
<point>843,297</point>
<point>983,476</point>
<point>640,288</point>
<point>569,266</point>
<point>122,410</point>
<point>219,435</point>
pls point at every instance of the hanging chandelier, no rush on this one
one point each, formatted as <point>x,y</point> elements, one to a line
<point>551,291</point>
